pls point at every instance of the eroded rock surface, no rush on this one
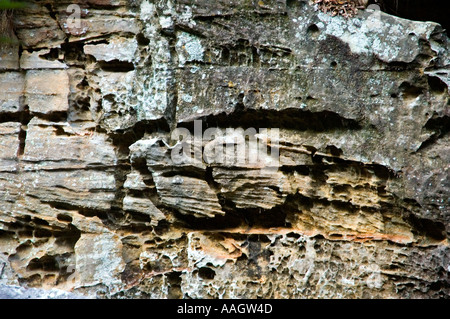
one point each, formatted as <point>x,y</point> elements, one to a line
<point>95,199</point>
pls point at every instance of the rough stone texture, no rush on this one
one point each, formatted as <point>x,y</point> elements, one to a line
<point>49,95</point>
<point>15,292</point>
<point>94,202</point>
<point>11,96</point>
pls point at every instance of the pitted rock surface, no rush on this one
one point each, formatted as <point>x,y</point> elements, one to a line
<point>93,202</point>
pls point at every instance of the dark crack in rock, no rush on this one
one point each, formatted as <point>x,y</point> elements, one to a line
<point>107,190</point>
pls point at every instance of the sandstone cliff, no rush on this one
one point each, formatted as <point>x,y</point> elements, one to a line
<point>93,202</point>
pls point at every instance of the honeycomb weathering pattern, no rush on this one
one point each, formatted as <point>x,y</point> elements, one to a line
<point>93,203</point>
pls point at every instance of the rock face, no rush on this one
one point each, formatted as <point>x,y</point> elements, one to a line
<point>100,197</point>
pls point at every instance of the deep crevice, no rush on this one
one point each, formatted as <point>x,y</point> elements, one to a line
<point>74,52</point>
<point>428,228</point>
<point>174,289</point>
<point>440,126</point>
<point>287,118</point>
<point>116,66</point>
<point>410,91</point>
<point>419,10</point>
<point>56,116</point>
<point>237,217</point>
<point>206,273</point>
<point>437,86</point>
<point>123,139</point>
<point>87,212</point>
<point>25,118</point>
<point>43,264</point>
<point>52,55</point>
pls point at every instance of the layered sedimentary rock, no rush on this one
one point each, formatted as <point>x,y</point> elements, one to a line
<point>109,188</point>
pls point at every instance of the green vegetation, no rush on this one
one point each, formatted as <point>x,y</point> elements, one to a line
<point>8,4</point>
<point>6,16</point>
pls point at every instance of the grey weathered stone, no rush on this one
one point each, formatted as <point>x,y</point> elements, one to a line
<point>9,58</point>
<point>97,198</point>
<point>117,49</point>
<point>46,91</point>
<point>11,96</point>
<point>17,292</point>
<point>36,60</point>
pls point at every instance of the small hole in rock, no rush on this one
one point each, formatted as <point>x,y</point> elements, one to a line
<point>64,218</point>
<point>25,233</point>
<point>293,235</point>
<point>206,273</point>
<point>142,40</point>
<point>437,85</point>
<point>42,233</point>
<point>313,30</point>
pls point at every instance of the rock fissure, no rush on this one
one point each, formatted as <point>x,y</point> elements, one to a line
<point>348,200</point>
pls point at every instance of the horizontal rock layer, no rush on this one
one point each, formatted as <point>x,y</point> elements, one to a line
<point>218,149</point>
